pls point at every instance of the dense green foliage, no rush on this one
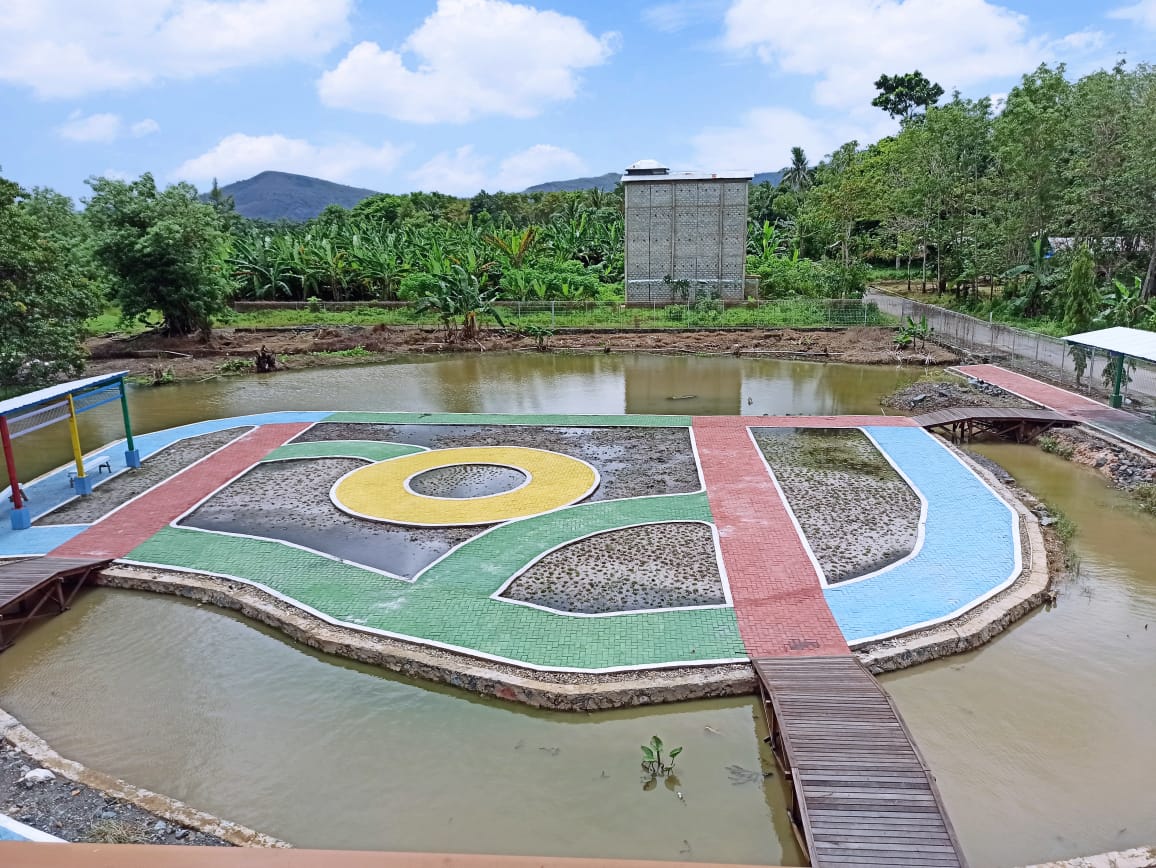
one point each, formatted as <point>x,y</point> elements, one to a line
<point>163,250</point>
<point>965,197</point>
<point>46,290</point>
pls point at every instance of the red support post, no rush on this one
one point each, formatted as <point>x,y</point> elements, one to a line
<point>10,463</point>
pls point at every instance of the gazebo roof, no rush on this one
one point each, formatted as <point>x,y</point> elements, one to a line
<point>41,396</point>
<point>1137,343</point>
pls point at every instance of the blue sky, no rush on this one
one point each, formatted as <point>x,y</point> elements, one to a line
<point>459,95</point>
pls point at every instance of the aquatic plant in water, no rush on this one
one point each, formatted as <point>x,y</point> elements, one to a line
<point>652,762</point>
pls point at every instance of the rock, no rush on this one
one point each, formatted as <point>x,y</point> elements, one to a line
<point>160,826</point>
<point>1047,521</point>
<point>37,776</point>
<point>182,834</point>
<point>108,815</point>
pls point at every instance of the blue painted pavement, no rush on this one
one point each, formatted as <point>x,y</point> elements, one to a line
<point>52,490</point>
<point>970,546</point>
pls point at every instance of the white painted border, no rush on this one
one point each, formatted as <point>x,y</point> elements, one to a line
<point>378,519</point>
<point>727,604</point>
<point>1017,562</point>
<point>295,442</point>
<point>469,652</point>
<point>27,833</point>
<point>167,479</point>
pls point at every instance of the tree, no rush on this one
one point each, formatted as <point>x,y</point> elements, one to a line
<point>47,289</point>
<point>165,251</point>
<point>901,95</point>
<point>1081,301</point>
<point>798,174</point>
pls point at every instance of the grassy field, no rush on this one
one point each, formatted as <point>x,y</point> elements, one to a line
<point>799,313</point>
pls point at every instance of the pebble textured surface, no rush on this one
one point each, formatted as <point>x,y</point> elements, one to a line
<point>125,486</point>
<point>857,513</point>
<point>467,480</point>
<point>654,566</point>
<point>289,500</point>
<point>631,461</point>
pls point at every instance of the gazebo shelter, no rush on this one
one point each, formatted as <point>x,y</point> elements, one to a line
<point>63,402</point>
<point>1120,343</point>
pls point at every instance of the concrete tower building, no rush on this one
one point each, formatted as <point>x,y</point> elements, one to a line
<point>688,226</point>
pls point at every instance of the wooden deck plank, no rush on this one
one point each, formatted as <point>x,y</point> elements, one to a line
<point>863,794</point>
<point>27,585</point>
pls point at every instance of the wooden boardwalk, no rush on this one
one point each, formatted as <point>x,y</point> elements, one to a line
<point>963,423</point>
<point>26,586</point>
<point>863,795</point>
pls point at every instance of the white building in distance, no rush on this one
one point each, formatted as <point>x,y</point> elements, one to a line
<point>684,226</point>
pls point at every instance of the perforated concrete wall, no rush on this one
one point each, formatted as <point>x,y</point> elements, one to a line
<point>693,230</point>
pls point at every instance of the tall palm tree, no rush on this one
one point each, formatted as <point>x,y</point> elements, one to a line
<point>798,174</point>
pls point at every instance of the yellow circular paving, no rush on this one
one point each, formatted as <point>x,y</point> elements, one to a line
<point>381,491</point>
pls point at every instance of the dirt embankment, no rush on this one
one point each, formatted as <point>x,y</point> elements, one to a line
<point>233,350</point>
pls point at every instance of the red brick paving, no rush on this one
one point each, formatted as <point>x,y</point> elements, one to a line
<point>777,596</point>
<point>1052,397</point>
<point>118,533</point>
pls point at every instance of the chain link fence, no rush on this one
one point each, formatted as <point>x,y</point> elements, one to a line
<point>1029,352</point>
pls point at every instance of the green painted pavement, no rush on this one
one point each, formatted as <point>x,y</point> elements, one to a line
<point>370,450</point>
<point>579,421</point>
<point>450,602</point>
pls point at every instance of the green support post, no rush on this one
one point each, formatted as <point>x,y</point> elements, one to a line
<point>131,453</point>
<point>1117,379</point>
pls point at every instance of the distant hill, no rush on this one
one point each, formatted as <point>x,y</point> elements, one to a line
<point>605,183</point>
<point>283,196</point>
<point>608,181</point>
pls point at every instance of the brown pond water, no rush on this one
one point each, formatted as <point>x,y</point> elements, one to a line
<point>1042,742</point>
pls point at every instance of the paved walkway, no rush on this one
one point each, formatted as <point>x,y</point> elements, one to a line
<point>1126,426</point>
<point>119,532</point>
<point>776,592</point>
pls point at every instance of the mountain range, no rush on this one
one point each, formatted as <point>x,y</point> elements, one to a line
<point>285,196</point>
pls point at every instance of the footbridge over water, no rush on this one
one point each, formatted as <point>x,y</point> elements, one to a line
<point>962,424</point>
<point>862,793</point>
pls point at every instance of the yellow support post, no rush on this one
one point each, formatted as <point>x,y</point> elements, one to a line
<point>81,483</point>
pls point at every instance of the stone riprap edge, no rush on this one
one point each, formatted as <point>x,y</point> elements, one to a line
<point>27,742</point>
<point>1139,857</point>
<point>558,691</point>
<point>980,625</point>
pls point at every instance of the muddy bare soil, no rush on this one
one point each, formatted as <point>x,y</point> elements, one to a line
<point>856,511</point>
<point>632,462</point>
<point>79,813</point>
<point>193,358</point>
<point>153,470</point>
<point>653,566</point>
<point>289,500</point>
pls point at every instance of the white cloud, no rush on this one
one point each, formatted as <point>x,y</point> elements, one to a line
<point>144,127</point>
<point>62,48</point>
<point>102,127</point>
<point>1143,13</point>
<point>677,15</point>
<point>469,59</point>
<point>1080,41</point>
<point>241,156</point>
<point>853,42</point>
<point>763,140</point>
<point>463,172</point>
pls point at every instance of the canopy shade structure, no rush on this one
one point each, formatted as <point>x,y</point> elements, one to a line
<point>1119,342</point>
<point>24,414</point>
<point>1137,343</point>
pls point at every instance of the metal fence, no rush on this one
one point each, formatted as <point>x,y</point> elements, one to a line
<point>1030,352</point>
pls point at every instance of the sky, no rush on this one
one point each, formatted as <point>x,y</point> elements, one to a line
<point>463,95</point>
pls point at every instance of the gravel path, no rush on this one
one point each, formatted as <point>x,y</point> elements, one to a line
<point>289,500</point>
<point>633,462</point>
<point>939,391</point>
<point>653,566</point>
<point>857,513</point>
<point>153,470</point>
<point>76,812</point>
